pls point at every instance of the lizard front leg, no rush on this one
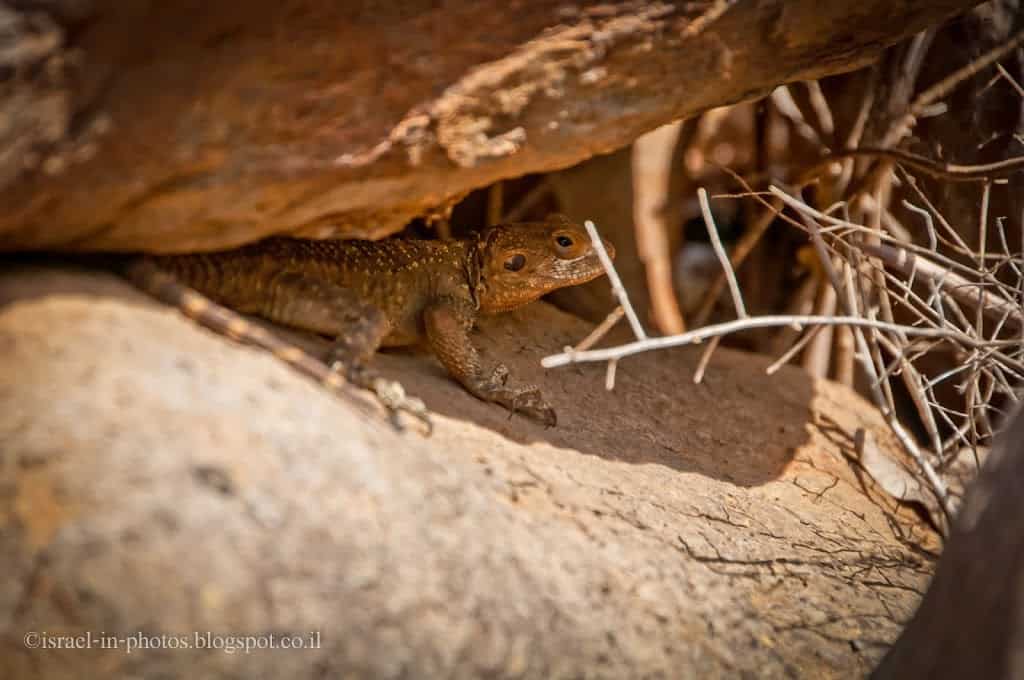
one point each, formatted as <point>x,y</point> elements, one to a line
<point>320,306</point>
<point>448,322</point>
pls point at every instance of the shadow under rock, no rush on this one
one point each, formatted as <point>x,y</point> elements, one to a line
<point>738,425</point>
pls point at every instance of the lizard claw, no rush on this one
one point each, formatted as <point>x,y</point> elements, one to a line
<point>524,400</point>
<point>530,403</point>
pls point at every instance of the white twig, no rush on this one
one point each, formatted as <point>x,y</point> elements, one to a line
<point>609,376</point>
<point>617,288</point>
<point>869,355</point>
<point>805,209</point>
<point>723,258</point>
<point>939,289</point>
<point>600,330</point>
<point>933,240</point>
<point>791,352</point>
<point>966,291</point>
<point>705,357</point>
<point>769,321</point>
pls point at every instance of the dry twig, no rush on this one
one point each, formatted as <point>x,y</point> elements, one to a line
<point>886,300</point>
<point>717,9</point>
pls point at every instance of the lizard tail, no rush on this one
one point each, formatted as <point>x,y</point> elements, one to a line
<point>150,278</point>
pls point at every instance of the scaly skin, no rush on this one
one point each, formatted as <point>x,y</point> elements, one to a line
<point>369,294</point>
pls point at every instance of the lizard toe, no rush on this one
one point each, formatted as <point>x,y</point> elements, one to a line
<point>530,403</point>
<point>499,375</point>
<point>393,397</point>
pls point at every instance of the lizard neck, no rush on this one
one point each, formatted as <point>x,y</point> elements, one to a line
<point>474,259</point>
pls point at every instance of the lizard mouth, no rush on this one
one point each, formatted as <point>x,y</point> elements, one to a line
<point>610,248</point>
<point>591,269</point>
<point>596,268</point>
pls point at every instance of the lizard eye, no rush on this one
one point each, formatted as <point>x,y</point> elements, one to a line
<point>563,241</point>
<point>515,263</point>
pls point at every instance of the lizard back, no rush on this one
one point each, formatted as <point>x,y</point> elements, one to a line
<point>396,277</point>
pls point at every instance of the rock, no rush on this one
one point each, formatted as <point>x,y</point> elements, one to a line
<point>158,480</point>
<point>967,623</point>
<point>202,125</point>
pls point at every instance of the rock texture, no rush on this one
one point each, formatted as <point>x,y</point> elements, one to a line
<point>158,480</point>
<point>201,125</point>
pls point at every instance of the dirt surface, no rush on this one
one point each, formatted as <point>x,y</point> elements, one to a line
<point>201,125</point>
<point>160,480</point>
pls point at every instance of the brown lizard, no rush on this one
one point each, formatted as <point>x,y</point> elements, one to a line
<point>372,294</point>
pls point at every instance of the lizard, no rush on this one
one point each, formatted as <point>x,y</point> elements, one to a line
<point>387,293</point>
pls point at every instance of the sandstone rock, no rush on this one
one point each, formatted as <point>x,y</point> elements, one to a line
<point>156,479</point>
<point>203,125</point>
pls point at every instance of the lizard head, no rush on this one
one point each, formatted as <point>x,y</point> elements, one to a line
<point>521,262</point>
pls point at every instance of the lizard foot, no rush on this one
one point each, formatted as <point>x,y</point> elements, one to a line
<point>525,400</point>
<point>530,403</point>
<point>389,393</point>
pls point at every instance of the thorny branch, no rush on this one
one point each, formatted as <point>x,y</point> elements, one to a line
<point>1003,357</point>
<point>901,296</point>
